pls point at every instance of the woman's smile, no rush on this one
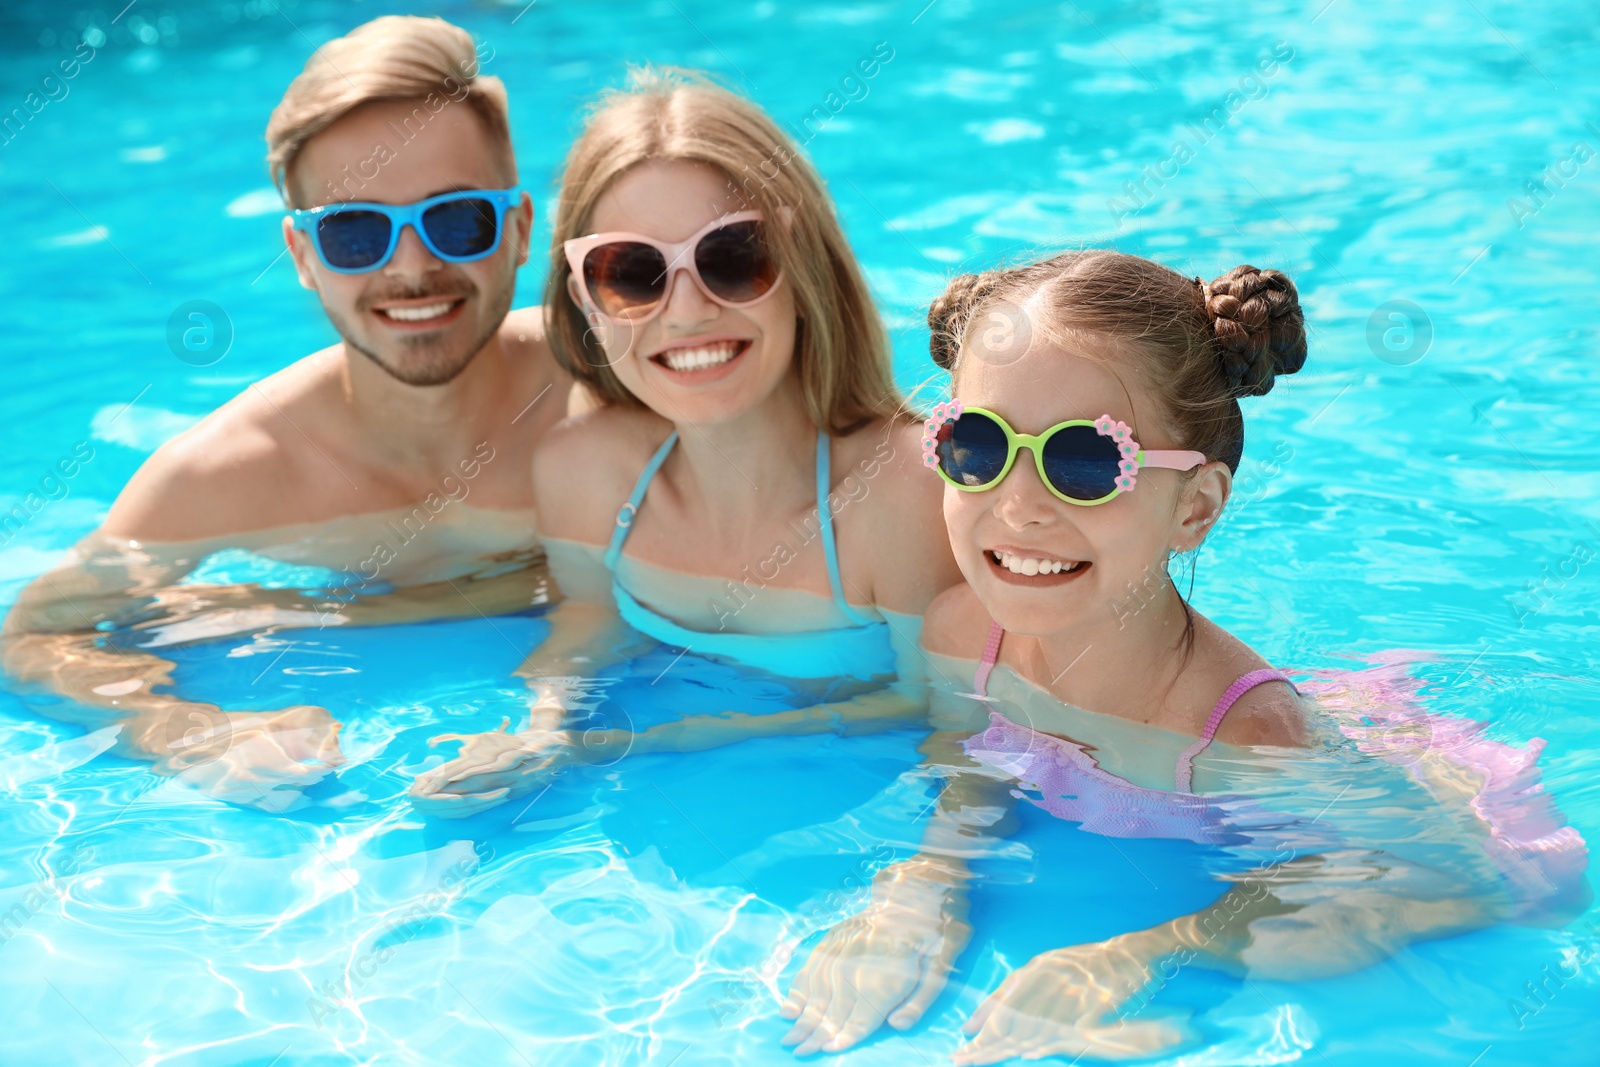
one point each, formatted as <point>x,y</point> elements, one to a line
<point>701,360</point>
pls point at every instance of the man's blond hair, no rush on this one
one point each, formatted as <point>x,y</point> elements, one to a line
<point>396,57</point>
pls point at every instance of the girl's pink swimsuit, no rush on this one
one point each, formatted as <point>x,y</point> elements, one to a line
<point>1542,858</point>
<point>1073,786</point>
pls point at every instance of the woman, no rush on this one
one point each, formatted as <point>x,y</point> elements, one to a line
<point>750,486</point>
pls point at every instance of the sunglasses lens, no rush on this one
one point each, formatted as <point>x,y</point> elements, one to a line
<point>625,278</point>
<point>353,240</point>
<point>735,263</point>
<point>464,229</point>
<point>1082,463</point>
<point>973,449</point>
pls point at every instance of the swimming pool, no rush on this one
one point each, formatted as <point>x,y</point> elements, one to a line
<point>1430,483</point>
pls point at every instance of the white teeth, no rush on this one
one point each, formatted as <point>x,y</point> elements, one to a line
<point>1030,565</point>
<point>417,314</point>
<point>700,358</point>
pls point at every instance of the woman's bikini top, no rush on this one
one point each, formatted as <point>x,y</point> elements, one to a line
<point>1073,786</point>
<point>861,650</point>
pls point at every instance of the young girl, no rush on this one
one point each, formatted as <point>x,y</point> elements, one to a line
<point>734,494</point>
<point>1094,433</point>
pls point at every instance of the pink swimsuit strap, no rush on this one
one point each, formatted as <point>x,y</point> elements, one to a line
<point>1242,685</point>
<point>1184,772</point>
<point>991,652</point>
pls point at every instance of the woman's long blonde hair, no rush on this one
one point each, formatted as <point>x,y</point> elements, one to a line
<point>842,350</point>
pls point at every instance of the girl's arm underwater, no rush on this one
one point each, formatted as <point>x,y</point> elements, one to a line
<point>1337,906</point>
<point>889,962</point>
<point>1309,917</point>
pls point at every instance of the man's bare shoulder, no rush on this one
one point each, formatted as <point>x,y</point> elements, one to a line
<point>233,470</point>
<point>525,341</point>
<point>523,330</point>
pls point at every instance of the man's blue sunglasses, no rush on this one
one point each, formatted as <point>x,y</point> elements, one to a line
<point>459,227</point>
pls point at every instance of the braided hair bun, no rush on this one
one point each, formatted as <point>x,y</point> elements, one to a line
<point>948,315</point>
<point>1260,329</point>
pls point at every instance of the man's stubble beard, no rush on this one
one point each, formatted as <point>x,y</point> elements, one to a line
<point>447,366</point>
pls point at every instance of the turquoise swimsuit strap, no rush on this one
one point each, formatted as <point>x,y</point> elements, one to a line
<point>825,524</point>
<point>629,511</point>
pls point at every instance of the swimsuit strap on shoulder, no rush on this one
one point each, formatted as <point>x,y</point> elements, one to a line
<point>630,511</point>
<point>1184,772</point>
<point>991,654</point>
<point>825,524</point>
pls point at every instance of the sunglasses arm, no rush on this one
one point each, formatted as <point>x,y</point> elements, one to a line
<point>1172,459</point>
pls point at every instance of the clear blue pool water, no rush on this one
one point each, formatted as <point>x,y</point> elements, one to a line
<point>1431,482</point>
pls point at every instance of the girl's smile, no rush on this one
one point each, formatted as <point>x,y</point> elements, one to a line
<point>1033,567</point>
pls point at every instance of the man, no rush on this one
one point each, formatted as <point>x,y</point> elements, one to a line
<point>360,458</point>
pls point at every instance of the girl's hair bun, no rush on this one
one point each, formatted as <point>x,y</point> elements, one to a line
<point>948,315</point>
<point>1259,327</point>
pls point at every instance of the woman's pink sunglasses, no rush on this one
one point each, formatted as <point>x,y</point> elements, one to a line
<point>627,275</point>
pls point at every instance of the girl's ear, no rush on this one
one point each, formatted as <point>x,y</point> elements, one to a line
<point>1200,505</point>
